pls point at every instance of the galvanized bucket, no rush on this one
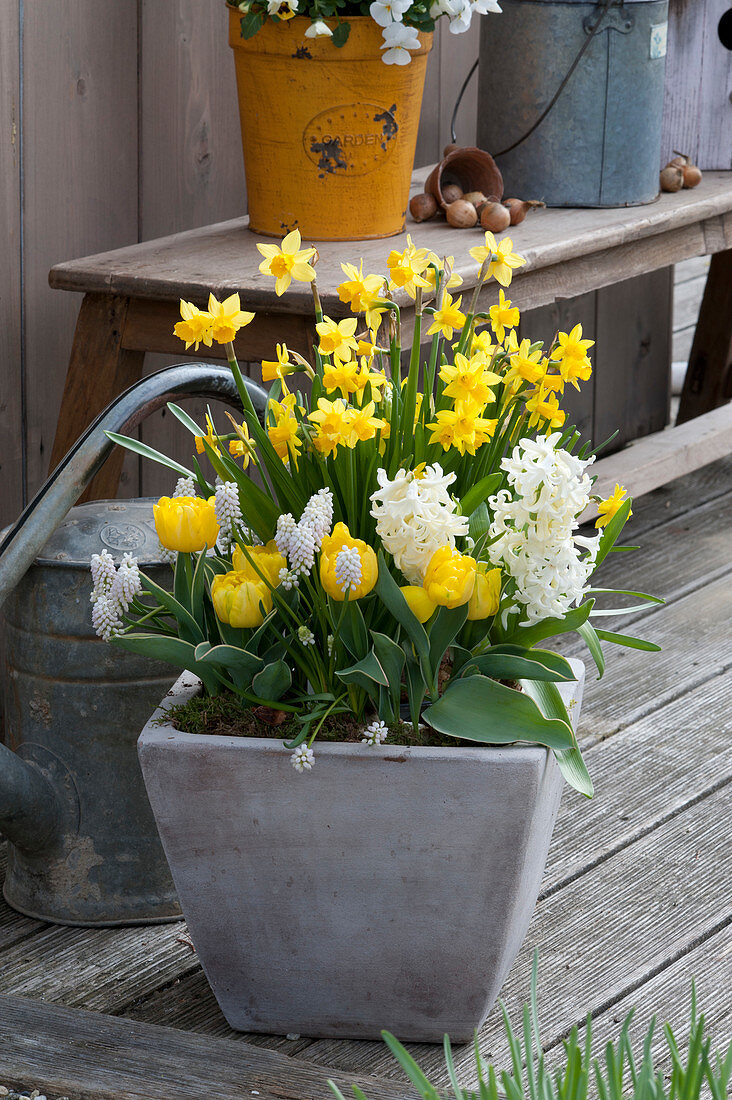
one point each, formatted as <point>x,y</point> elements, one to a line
<point>600,143</point>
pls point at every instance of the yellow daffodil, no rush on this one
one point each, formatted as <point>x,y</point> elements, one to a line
<point>287,261</point>
<point>210,437</point>
<point>242,446</point>
<point>187,524</point>
<point>361,292</point>
<point>407,268</point>
<point>504,261</point>
<point>419,603</point>
<point>447,318</point>
<point>503,315</point>
<point>283,434</point>
<point>267,559</point>
<point>469,380</point>
<point>240,601</point>
<point>486,594</point>
<point>608,508</point>
<point>363,424</point>
<point>272,369</point>
<point>482,343</point>
<point>332,418</point>
<point>526,365</point>
<point>336,337</point>
<point>341,376</point>
<point>195,328</point>
<point>355,572</point>
<point>571,356</point>
<point>366,377</point>
<point>543,405</point>
<point>429,273</point>
<point>449,578</point>
<point>228,318</point>
<point>462,427</point>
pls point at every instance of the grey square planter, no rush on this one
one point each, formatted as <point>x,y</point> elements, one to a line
<point>388,888</point>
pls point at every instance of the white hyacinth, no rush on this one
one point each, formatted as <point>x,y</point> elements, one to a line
<point>375,733</point>
<point>305,636</point>
<point>302,758</point>
<point>185,487</point>
<point>535,526</point>
<point>415,516</point>
<point>348,569</point>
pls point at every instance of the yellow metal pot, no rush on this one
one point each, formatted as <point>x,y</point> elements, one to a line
<point>328,133</point>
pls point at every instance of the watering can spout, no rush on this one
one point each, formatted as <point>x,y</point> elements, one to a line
<point>30,808</point>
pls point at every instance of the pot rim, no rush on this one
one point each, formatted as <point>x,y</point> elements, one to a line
<point>156,731</point>
<point>279,39</point>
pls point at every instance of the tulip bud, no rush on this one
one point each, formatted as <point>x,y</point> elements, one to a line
<point>186,524</point>
<point>486,594</point>
<point>450,577</point>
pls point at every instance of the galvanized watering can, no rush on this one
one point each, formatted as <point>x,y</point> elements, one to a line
<point>84,847</point>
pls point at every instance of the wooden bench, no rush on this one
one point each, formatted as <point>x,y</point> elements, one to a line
<point>131,304</point>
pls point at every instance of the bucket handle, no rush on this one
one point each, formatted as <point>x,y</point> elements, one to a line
<point>591,30</point>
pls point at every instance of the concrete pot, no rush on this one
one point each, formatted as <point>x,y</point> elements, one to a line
<point>388,888</point>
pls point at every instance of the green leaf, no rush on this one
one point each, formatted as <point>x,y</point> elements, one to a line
<point>570,761</point>
<point>273,681</point>
<point>340,34</point>
<point>480,709</point>
<point>388,592</point>
<point>239,663</point>
<point>410,1067</point>
<point>522,666</point>
<point>251,23</point>
<point>391,658</point>
<point>626,640</point>
<point>366,672</point>
<point>548,628</point>
<point>186,420</point>
<point>352,629</point>
<point>479,492</point>
<point>445,627</point>
<point>148,452</point>
<point>173,650</point>
<point>592,641</point>
<point>416,690</point>
<point>186,622</point>
<point>611,532</point>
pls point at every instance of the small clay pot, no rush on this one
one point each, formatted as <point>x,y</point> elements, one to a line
<point>470,168</point>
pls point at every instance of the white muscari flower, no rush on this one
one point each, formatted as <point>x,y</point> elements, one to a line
<point>302,758</point>
<point>106,618</point>
<point>348,570</point>
<point>302,549</point>
<point>318,514</point>
<point>104,572</point>
<point>228,512</point>
<point>318,29</point>
<point>306,636</point>
<point>415,516</point>
<point>289,579</point>
<point>329,643</point>
<point>185,487</point>
<point>126,584</point>
<point>375,733</point>
<point>166,555</point>
<point>286,527</point>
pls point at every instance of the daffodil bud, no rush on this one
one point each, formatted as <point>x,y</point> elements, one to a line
<point>486,594</point>
<point>240,601</point>
<point>186,524</point>
<point>450,577</point>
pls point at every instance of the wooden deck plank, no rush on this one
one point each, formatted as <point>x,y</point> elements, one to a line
<point>678,497</point>
<point>95,1057</point>
<point>661,896</point>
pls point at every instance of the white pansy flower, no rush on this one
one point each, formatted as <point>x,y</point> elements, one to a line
<point>385,12</point>
<point>398,40</point>
<point>318,29</point>
<point>415,516</point>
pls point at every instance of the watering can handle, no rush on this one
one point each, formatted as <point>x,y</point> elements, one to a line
<point>46,511</point>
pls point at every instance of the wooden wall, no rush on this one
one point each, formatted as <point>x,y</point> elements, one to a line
<point>119,124</point>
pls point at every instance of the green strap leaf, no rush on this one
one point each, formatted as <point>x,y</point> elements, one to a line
<point>611,533</point>
<point>588,632</point>
<point>479,492</point>
<point>273,681</point>
<point>388,592</point>
<point>445,627</point>
<point>480,709</point>
<point>627,640</point>
<point>148,452</point>
<point>173,650</point>
<point>571,763</point>
<point>528,636</point>
<point>186,622</point>
<point>520,666</point>
<point>239,663</point>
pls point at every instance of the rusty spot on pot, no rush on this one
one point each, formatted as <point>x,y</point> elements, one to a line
<point>302,51</point>
<point>389,129</point>
<point>329,153</point>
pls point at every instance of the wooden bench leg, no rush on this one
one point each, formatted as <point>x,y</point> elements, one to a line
<point>708,381</point>
<point>99,370</point>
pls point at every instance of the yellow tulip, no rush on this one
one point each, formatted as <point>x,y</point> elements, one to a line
<point>486,594</point>
<point>239,601</point>
<point>186,523</point>
<point>267,559</point>
<point>365,573</point>
<point>450,577</point>
<point>418,601</point>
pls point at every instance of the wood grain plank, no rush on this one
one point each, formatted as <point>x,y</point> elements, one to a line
<point>687,301</point>
<point>708,381</point>
<point>11,381</point>
<point>80,132</point>
<point>684,225</point>
<point>691,269</point>
<point>428,148</point>
<point>715,77</point>
<point>682,89</point>
<point>95,1057</point>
